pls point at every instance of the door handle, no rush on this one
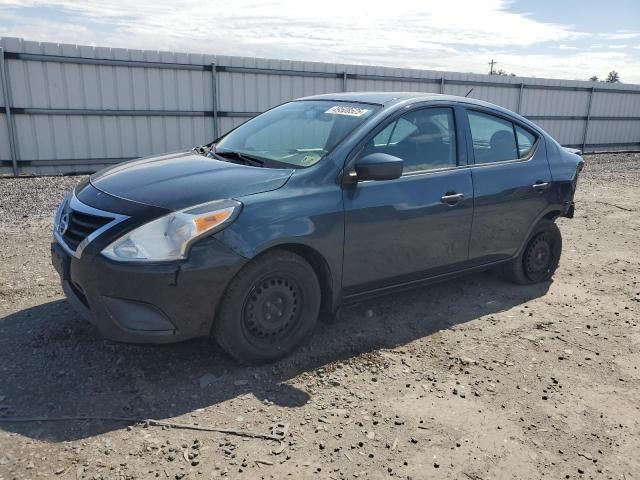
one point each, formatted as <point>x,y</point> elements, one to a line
<point>452,198</point>
<point>540,186</point>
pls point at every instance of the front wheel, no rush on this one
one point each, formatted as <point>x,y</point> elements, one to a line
<point>268,308</point>
<point>539,259</point>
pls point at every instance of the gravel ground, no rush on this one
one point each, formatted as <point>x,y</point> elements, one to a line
<point>33,197</point>
<point>472,379</point>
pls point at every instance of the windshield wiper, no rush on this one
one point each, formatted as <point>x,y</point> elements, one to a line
<point>241,157</point>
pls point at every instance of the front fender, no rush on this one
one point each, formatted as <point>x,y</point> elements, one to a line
<point>307,217</point>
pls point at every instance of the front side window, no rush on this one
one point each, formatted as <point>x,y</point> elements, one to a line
<point>425,139</point>
<point>296,134</point>
<point>493,138</point>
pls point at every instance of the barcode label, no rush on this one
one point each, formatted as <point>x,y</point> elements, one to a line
<point>351,111</point>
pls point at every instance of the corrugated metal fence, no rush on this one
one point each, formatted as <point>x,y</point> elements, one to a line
<point>70,108</point>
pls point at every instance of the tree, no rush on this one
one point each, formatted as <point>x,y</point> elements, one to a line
<point>613,77</point>
<point>502,73</point>
<point>593,78</point>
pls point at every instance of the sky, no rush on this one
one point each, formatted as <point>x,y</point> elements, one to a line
<point>570,39</point>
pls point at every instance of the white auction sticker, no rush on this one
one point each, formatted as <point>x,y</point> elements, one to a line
<point>351,111</point>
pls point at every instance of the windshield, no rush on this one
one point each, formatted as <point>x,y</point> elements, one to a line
<point>296,134</point>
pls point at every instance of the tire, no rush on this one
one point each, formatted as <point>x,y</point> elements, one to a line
<point>539,259</point>
<point>268,308</point>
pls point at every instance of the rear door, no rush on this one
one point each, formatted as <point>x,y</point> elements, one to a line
<point>418,225</point>
<point>511,179</point>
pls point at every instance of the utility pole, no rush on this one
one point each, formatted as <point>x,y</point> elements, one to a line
<point>492,63</point>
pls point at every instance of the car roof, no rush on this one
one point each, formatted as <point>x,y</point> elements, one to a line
<point>379,98</point>
<point>387,99</point>
<point>391,98</point>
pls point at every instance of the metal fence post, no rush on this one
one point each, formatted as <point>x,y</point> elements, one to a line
<point>344,81</point>
<point>442,85</point>
<point>586,124</point>
<point>519,106</point>
<point>6,95</point>
<point>214,94</point>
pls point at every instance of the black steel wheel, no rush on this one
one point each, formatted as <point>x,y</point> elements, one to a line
<point>539,259</point>
<point>271,311</point>
<point>268,309</point>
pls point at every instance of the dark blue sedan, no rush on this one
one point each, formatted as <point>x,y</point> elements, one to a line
<point>312,204</point>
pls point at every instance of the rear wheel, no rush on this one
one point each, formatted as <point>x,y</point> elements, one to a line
<point>539,259</point>
<point>268,308</point>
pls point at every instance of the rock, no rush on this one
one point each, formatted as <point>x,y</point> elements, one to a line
<point>240,383</point>
<point>467,361</point>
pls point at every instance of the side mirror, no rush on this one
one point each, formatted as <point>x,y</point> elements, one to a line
<point>378,166</point>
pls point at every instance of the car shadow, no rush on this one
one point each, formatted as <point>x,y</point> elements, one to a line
<point>54,364</point>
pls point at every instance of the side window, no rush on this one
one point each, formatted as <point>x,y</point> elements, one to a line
<point>493,138</point>
<point>382,139</point>
<point>424,139</point>
<point>394,132</point>
<point>525,141</point>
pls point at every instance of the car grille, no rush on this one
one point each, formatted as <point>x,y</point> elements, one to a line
<point>81,225</point>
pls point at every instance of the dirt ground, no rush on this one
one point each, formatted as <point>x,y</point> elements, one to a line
<point>471,379</point>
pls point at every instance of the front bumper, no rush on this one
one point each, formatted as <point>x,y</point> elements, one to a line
<point>149,303</point>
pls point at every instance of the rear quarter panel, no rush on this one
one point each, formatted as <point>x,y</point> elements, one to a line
<point>565,168</point>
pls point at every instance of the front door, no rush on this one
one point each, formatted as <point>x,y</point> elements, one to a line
<point>415,226</point>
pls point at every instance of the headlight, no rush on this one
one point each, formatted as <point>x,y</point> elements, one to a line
<point>61,209</point>
<point>169,237</point>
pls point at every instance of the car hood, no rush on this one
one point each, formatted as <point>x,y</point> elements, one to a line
<point>180,180</point>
